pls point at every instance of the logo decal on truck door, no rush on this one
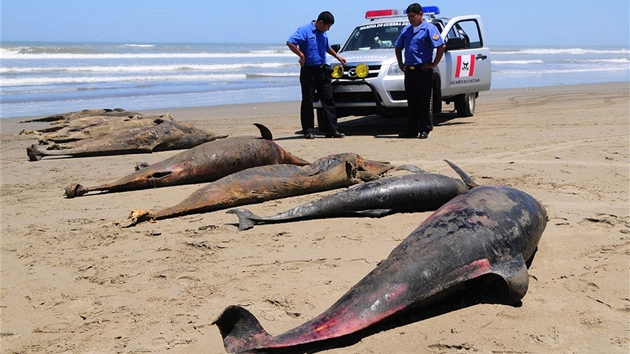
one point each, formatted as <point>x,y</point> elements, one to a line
<point>465,66</point>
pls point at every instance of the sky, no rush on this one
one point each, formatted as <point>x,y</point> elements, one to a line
<point>537,23</point>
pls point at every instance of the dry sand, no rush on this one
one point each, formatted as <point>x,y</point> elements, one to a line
<point>74,282</point>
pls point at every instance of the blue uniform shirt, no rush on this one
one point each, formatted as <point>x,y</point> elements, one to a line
<point>312,43</point>
<point>419,43</point>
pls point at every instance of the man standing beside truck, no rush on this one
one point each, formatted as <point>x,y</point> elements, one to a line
<point>310,44</point>
<point>418,40</point>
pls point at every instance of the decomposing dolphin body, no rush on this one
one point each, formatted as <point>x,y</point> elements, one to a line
<point>91,127</point>
<point>489,230</point>
<point>258,184</point>
<point>167,135</point>
<point>203,163</point>
<point>408,193</point>
<point>69,116</point>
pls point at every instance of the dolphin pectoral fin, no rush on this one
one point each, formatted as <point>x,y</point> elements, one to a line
<point>245,216</point>
<point>410,168</point>
<point>515,274</point>
<point>241,331</point>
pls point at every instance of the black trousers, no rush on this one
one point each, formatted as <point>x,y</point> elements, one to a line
<point>418,89</point>
<point>316,79</point>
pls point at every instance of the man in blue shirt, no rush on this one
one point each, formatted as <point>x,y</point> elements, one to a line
<point>310,44</point>
<point>418,39</point>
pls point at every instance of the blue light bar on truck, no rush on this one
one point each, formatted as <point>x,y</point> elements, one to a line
<point>430,10</point>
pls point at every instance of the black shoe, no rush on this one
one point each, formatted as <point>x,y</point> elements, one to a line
<point>309,136</point>
<point>424,135</point>
<point>336,134</point>
<point>407,135</point>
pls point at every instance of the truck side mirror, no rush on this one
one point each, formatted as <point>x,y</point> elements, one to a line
<point>455,43</point>
<point>336,47</point>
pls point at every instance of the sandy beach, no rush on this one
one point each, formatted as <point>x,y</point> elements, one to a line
<point>73,281</point>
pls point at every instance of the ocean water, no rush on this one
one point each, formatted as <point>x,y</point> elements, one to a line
<point>39,79</point>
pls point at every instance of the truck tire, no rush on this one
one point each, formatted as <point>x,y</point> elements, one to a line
<point>465,104</point>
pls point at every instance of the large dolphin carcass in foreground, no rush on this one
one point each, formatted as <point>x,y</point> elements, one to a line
<point>203,163</point>
<point>415,192</point>
<point>262,183</point>
<point>489,230</point>
<point>167,135</point>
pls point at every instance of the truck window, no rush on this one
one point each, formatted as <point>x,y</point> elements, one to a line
<point>374,36</point>
<point>469,31</point>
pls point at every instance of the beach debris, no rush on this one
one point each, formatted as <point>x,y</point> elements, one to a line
<point>417,192</point>
<point>203,163</point>
<point>262,183</point>
<point>486,232</point>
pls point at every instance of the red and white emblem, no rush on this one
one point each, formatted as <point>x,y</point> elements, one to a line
<point>465,66</point>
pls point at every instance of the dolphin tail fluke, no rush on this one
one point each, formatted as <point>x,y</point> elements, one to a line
<point>241,331</point>
<point>34,154</point>
<point>265,133</point>
<point>245,216</point>
<point>469,182</point>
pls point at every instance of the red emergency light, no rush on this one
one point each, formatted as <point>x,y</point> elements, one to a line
<point>380,13</point>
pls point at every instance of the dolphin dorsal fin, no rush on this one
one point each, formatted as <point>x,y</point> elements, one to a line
<point>265,133</point>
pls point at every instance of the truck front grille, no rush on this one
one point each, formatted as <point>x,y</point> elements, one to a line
<point>374,69</point>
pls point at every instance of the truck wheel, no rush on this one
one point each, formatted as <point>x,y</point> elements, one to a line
<point>465,104</point>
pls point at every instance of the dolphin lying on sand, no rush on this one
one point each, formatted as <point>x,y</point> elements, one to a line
<point>397,194</point>
<point>489,230</point>
<point>258,184</point>
<point>204,163</point>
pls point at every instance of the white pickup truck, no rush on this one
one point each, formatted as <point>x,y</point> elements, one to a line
<point>372,82</point>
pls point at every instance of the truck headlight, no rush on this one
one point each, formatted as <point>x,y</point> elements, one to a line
<point>394,70</point>
<point>337,71</point>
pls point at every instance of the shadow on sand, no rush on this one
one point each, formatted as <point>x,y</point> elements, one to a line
<point>383,127</point>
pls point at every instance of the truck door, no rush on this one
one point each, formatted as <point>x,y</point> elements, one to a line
<point>467,69</point>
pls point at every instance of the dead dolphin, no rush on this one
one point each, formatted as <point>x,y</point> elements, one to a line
<point>489,230</point>
<point>258,184</point>
<point>96,126</point>
<point>167,135</point>
<point>68,116</point>
<point>204,163</point>
<point>416,192</point>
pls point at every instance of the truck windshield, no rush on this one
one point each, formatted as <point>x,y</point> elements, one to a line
<point>374,36</point>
